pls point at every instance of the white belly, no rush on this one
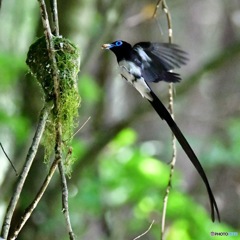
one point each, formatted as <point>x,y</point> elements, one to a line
<point>132,74</point>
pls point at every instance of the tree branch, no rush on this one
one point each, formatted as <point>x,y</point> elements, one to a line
<point>28,163</point>
<point>54,13</point>
<point>65,208</point>
<point>36,200</point>
<point>171,110</point>
<point>56,79</point>
<point>141,235</point>
<point>15,170</point>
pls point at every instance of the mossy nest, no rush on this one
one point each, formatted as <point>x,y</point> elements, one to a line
<point>68,64</point>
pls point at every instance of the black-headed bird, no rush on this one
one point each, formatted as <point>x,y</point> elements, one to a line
<point>153,62</point>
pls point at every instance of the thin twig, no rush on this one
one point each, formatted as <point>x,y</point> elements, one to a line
<point>33,205</point>
<point>55,76</point>
<point>8,159</point>
<point>141,235</point>
<point>174,147</point>
<point>65,208</point>
<point>82,126</point>
<point>65,140</point>
<point>156,8</point>
<point>54,13</point>
<point>56,80</point>
<point>51,52</point>
<point>29,159</point>
<point>170,107</point>
<point>169,21</point>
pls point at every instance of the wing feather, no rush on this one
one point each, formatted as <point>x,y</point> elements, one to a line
<point>157,59</point>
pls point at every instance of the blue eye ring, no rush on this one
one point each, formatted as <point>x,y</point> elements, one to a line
<point>118,43</point>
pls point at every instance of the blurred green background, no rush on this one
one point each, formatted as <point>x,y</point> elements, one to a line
<point>122,154</point>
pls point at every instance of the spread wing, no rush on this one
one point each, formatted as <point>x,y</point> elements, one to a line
<point>157,59</point>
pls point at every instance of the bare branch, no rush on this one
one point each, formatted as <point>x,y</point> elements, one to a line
<point>51,52</point>
<point>28,163</point>
<point>171,110</point>
<point>156,8</point>
<point>141,235</point>
<point>8,159</point>
<point>56,79</point>
<point>54,13</point>
<point>36,200</point>
<point>65,208</point>
<point>79,129</point>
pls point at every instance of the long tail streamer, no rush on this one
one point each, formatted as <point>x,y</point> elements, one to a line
<point>165,115</point>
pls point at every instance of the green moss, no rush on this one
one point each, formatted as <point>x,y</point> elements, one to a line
<point>68,62</point>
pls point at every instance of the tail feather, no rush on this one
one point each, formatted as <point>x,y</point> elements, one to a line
<point>165,115</point>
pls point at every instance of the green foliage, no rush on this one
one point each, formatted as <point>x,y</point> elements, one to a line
<point>179,230</point>
<point>127,177</point>
<point>126,137</point>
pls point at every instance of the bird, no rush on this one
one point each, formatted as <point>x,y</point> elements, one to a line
<point>147,62</point>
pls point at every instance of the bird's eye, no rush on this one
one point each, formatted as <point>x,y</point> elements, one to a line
<point>118,43</point>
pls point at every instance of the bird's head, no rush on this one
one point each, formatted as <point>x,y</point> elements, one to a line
<point>119,48</point>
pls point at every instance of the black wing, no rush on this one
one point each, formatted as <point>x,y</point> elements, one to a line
<point>157,59</point>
